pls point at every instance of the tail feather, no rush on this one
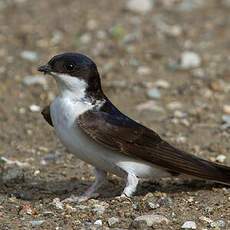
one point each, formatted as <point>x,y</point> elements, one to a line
<point>224,174</point>
<point>210,171</point>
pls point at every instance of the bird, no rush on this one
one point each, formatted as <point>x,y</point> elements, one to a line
<point>95,131</point>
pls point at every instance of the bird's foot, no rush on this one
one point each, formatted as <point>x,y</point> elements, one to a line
<point>79,199</point>
<point>123,197</point>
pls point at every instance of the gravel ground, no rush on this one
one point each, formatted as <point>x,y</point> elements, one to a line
<point>164,63</point>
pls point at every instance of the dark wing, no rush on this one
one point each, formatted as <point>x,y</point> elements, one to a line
<point>46,114</point>
<point>119,133</point>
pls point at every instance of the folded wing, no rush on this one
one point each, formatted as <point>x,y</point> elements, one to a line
<point>120,133</point>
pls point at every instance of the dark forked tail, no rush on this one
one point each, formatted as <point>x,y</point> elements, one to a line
<point>224,172</point>
<point>194,166</point>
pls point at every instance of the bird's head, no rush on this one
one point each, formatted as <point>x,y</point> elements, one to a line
<point>74,72</point>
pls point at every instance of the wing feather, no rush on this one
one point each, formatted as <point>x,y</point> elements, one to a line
<point>120,133</point>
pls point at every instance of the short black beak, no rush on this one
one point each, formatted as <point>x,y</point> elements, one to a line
<point>45,69</point>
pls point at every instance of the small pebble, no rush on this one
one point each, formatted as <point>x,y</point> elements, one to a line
<point>153,205</point>
<point>179,114</point>
<point>205,219</point>
<point>149,105</point>
<point>154,93</point>
<point>189,5</point>
<point>140,6</point>
<point>98,222</point>
<point>226,109</point>
<point>226,119</point>
<point>70,208</point>
<point>189,60</point>
<point>12,175</point>
<point>101,34</point>
<point>36,223</point>
<point>118,31</point>
<point>99,209</point>
<point>85,38</point>
<point>57,37</point>
<point>57,203</point>
<point>50,158</point>
<point>152,219</point>
<point>35,80</point>
<point>29,55</point>
<point>189,225</point>
<point>221,158</point>
<point>112,221</point>
<point>143,70</point>
<point>162,84</point>
<point>117,84</point>
<point>181,139</point>
<point>174,105</point>
<point>35,108</point>
<point>218,224</point>
<point>92,24</point>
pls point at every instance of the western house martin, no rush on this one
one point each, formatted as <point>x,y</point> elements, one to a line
<point>93,129</point>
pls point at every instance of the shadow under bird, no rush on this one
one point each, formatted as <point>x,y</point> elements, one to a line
<point>93,129</point>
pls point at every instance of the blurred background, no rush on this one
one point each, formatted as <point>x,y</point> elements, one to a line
<point>165,63</point>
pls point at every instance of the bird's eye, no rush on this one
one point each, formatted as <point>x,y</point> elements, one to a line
<point>69,66</point>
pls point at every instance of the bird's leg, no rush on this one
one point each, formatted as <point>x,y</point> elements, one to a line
<point>99,181</point>
<point>131,185</point>
<point>91,191</point>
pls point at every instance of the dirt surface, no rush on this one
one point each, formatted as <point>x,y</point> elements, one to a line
<point>133,51</point>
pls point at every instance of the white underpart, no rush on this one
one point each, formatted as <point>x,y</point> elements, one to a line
<point>65,111</point>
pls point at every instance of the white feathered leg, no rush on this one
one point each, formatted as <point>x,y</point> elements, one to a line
<point>131,185</point>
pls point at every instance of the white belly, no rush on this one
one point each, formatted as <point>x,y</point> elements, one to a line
<point>64,113</point>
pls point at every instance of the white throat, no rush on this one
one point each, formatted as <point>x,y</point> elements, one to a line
<point>70,86</point>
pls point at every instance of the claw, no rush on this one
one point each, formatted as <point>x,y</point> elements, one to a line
<point>80,199</point>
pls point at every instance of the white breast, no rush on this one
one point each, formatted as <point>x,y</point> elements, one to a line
<point>64,114</point>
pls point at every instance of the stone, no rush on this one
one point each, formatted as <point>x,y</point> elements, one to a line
<point>154,93</point>
<point>35,80</point>
<point>57,37</point>
<point>14,162</point>
<point>218,224</point>
<point>205,219</point>
<point>99,209</point>
<point>226,109</point>
<point>91,24</point>
<point>174,105</point>
<point>221,158</point>
<point>179,114</point>
<point>189,60</point>
<point>13,175</point>
<point>152,219</point>
<point>50,158</point>
<point>140,6</point>
<point>98,222</point>
<point>162,84</point>
<point>189,225</point>
<point>29,55</point>
<point>149,105</point>
<point>189,5</point>
<point>118,31</point>
<point>57,203</point>
<point>112,221</point>
<point>226,119</point>
<point>85,38</point>
<point>36,223</point>
<point>143,70</point>
<point>153,205</point>
<point>35,108</point>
